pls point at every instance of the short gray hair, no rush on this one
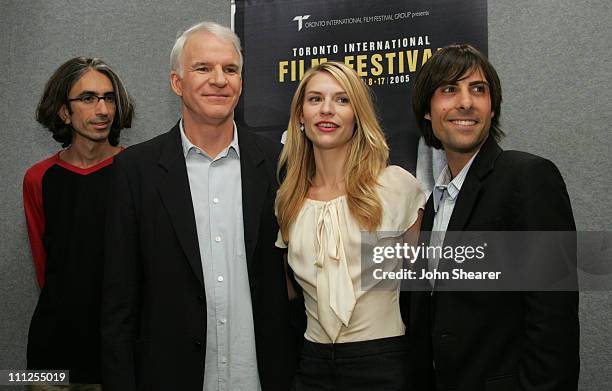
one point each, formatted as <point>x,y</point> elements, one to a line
<point>215,29</point>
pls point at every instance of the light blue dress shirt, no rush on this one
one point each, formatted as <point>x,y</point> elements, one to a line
<point>216,194</point>
<point>444,195</point>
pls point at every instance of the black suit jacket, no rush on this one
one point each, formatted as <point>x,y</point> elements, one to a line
<point>154,309</point>
<point>499,340</point>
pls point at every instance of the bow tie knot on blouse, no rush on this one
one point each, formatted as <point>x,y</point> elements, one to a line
<point>335,310</point>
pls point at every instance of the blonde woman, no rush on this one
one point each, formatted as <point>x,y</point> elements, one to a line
<point>338,185</point>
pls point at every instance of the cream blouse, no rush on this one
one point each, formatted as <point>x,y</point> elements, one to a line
<point>324,251</point>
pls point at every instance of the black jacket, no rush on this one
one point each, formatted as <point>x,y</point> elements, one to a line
<point>499,340</point>
<point>154,309</point>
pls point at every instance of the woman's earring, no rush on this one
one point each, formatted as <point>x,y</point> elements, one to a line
<point>301,127</point>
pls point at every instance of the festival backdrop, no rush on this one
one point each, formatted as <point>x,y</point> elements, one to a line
<point>386,42</point>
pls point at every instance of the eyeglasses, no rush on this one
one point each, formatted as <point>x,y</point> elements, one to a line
<point>91,99</point>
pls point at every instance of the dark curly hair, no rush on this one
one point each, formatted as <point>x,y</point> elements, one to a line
<point>56,92</point>
<point>447,66</point>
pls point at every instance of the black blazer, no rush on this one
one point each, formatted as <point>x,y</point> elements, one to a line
<point>499,340</point>
<point>154,310</point>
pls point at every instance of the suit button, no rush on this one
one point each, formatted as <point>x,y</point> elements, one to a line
<point>201,299</point>
<point>445,337</point>
<point>198,345</point>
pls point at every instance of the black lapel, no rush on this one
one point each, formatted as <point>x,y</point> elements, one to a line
<point>481,167</point>
<point>428,214</point>
<point>173,187</point>
<point>421,264</point>
<point>255,187</point>
<point>427,222</point>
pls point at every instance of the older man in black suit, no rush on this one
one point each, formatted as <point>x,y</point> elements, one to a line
<point>195,293</point>
<point>521,340</point>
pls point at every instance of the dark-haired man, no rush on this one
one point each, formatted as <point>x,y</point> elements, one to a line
<point>521,340</point>
<point>85,106</point>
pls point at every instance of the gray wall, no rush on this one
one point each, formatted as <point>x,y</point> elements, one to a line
<point>553,57</point>
<point>554,61</point>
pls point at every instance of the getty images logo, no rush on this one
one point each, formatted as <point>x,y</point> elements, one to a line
<point>300,19</point>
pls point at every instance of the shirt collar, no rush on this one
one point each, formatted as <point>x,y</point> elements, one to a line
<point>188,145</point>
<point>451,187</point>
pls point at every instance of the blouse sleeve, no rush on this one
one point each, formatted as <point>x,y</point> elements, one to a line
<point>280,243</point>
<point>402,196</point>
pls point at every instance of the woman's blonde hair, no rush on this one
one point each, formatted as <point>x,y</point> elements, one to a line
<point>367,157</point>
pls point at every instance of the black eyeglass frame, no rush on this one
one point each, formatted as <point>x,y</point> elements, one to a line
<point>109,99</point>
